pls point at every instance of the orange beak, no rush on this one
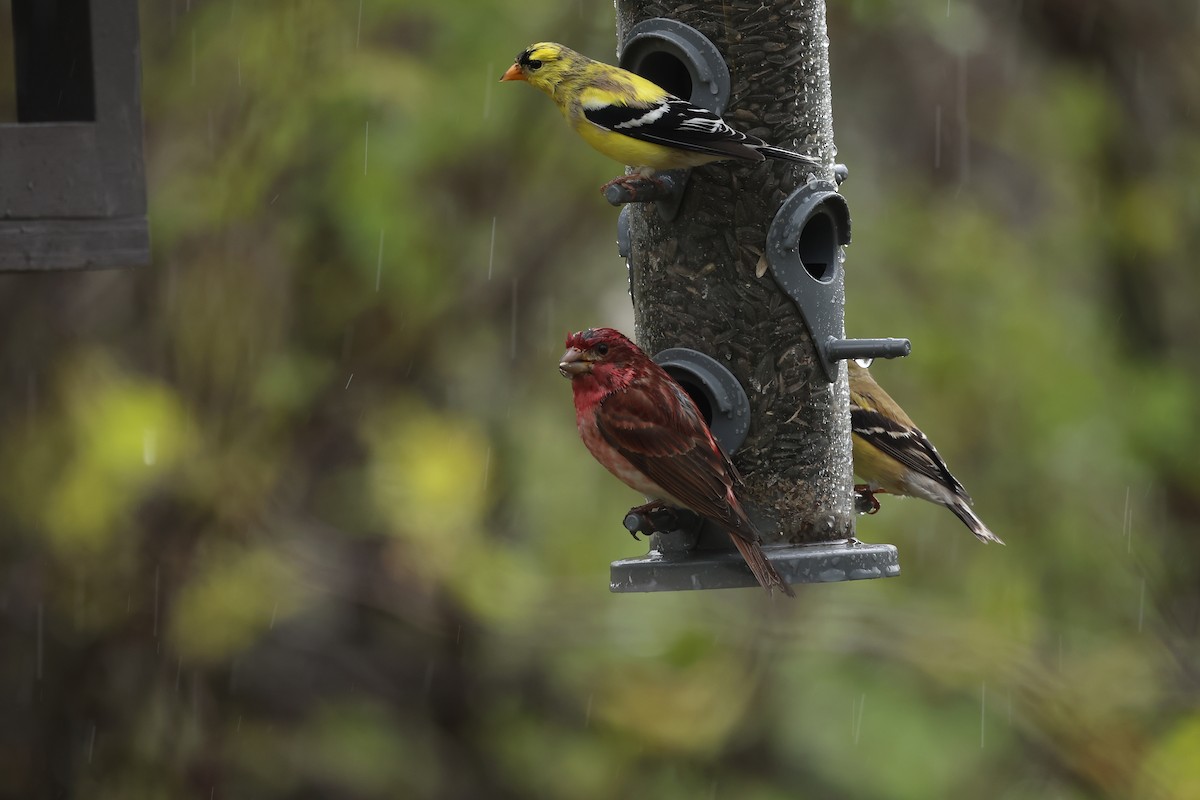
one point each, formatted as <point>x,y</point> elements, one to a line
<point>514,74</point>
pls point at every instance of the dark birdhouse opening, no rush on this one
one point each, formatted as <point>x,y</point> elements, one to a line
<point>52,48</point>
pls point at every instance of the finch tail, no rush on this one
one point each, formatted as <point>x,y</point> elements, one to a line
<point>788,155</point>
<point>964,512</point>
<point>762,569</point>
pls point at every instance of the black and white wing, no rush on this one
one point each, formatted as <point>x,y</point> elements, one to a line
<point>907,445</point>
<point>677,123</point>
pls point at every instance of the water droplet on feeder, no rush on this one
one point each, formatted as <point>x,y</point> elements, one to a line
<point>865,363</point>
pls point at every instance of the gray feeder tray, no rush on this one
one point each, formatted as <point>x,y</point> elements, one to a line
<point>670,567</point>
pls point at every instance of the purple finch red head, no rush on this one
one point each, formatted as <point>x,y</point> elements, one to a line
<point>645,429</point>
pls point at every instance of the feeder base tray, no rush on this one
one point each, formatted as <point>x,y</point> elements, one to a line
<point>823,562</point>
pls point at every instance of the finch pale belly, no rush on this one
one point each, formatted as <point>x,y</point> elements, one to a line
<point>618,465</point>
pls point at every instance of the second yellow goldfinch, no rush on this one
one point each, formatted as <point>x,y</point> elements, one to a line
<point>632,120</point>
<point>892,454</point>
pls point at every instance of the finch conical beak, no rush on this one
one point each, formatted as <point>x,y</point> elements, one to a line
<point>572,363</point>
<point>514,73</point>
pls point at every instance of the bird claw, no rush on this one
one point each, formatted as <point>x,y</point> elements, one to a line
<point>625,188</point>
<point>864,499</point>
<point>651,518</point>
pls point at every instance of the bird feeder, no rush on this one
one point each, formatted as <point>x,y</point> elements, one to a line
<point>736,276</point>
<point>72,183</point>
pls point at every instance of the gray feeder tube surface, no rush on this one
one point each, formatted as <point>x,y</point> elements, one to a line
<point>701,281</point>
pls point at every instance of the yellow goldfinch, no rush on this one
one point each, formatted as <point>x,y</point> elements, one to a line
<point>894,457</point>
<point>633,121</point>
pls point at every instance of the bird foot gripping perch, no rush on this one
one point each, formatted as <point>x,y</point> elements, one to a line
<point>657,517</point>
<point>664,187</point>
<point>865,501</point>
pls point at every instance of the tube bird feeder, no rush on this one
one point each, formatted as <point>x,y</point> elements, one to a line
<point>736,279</point>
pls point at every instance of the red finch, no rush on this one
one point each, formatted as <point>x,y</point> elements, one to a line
<point>644,428</point>
<point>893,456</point>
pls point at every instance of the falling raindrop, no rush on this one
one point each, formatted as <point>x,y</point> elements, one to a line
<point>1128,523</point>
<point>274,611</point>
<point>492,249</point>
<point>1142,606</point>
<point>856,726</point>
<point>358,36</point>
<point>982,714</point>
<point>349,379</point>
<point>366,144</point>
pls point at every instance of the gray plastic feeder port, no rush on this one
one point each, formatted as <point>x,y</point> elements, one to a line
<point>718,395</point>
<point>804,252</point>
<point>683,61</point>
<point>680,59</point>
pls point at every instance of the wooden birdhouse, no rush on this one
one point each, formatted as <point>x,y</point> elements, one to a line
<point>72,180</point>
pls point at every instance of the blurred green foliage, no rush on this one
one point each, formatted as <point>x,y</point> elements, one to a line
<point>299,511</point>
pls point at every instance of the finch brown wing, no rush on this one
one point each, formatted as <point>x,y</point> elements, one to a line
<point>907,445</point>
<point>662,433</point>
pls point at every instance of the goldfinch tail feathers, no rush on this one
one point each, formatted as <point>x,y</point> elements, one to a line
<point>762,569</point>
<point>787,155</point>
<point>969,518</point>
